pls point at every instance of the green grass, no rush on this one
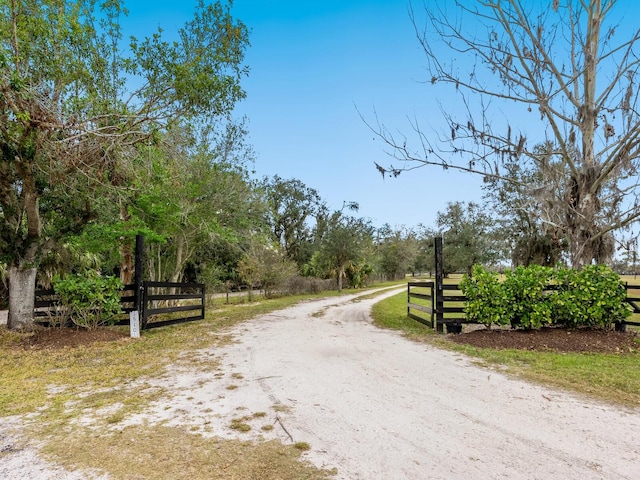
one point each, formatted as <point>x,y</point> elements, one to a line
<point>613,378</point>
<point>392,314</point>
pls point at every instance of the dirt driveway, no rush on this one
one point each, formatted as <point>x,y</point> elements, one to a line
<point>376,406</point>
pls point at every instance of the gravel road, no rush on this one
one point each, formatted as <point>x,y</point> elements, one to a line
<point>377,406</point>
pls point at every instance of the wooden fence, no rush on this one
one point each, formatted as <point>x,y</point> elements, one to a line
<point>163,303</point>
<point>445,312</point>
<point>421,292</point>
<point>633,297</point>
<point>161,300</point>
<point>439,308</point>
<point>47,307</point>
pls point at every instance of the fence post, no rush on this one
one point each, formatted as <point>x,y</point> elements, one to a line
<point>439,264</point>
<point>408,299</point>
<point>433,306</point>
<point>136,316</point>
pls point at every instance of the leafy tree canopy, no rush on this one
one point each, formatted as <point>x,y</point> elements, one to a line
<point>75,105</point>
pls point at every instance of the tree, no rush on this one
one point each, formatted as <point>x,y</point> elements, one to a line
<point>467,237</point>
<point>397,251</point>
<point>4,291</point>
<point>188,197</point>
<point>563,81</point>
<point>528,239</point>
<point>345,243</point>
<point>74,106</point>
<point>627,262</point>
<point>263,264</point>
<point>292,206</point>
<point>425,255</point>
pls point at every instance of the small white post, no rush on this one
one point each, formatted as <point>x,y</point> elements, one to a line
<point>134,324</point>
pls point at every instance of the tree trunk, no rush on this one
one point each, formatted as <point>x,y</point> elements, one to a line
<point>340,277</point>
<point>126,262</point>
<point>179,261</point>
<point>126,252</point>
<point>584,205</point>
<point>585,239</point>
<point>22,285</point>
<point>23,270</point>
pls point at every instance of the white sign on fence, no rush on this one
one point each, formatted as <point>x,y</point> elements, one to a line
<point>134,324</point>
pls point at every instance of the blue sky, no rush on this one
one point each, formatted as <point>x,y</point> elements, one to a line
<point>313,66</point>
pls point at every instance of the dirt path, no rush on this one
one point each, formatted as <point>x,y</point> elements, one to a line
<point>377,406</point>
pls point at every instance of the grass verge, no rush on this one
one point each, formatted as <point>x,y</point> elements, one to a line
<point>391,313</point>
<point>612,378</point>
<point>172,453</point>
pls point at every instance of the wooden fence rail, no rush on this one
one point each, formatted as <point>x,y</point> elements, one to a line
<point>633,297</point>
<point>441,309</point>
<point>161,298</point>
<point>426,295</point>
<point>47,305</point>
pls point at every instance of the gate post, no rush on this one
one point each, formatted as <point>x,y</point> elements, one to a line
<point>136,316</point>
<point>439,264</point>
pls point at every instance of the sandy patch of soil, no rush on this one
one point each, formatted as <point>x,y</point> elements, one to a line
<point>375,405</point>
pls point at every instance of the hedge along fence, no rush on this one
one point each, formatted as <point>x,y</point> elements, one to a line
<point>91,300</point>
<point>86,300</point>
<point>533,297</point>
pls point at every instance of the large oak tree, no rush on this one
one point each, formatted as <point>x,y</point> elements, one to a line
<point>561,74</point>
<point>292,210</point>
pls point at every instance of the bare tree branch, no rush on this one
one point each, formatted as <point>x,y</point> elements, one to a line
<point>561,62</point>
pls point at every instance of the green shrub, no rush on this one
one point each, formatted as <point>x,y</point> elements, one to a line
<point>486,301</point>
<point>525,290</point>
<point>591,297</point>
<point>89,300</point>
